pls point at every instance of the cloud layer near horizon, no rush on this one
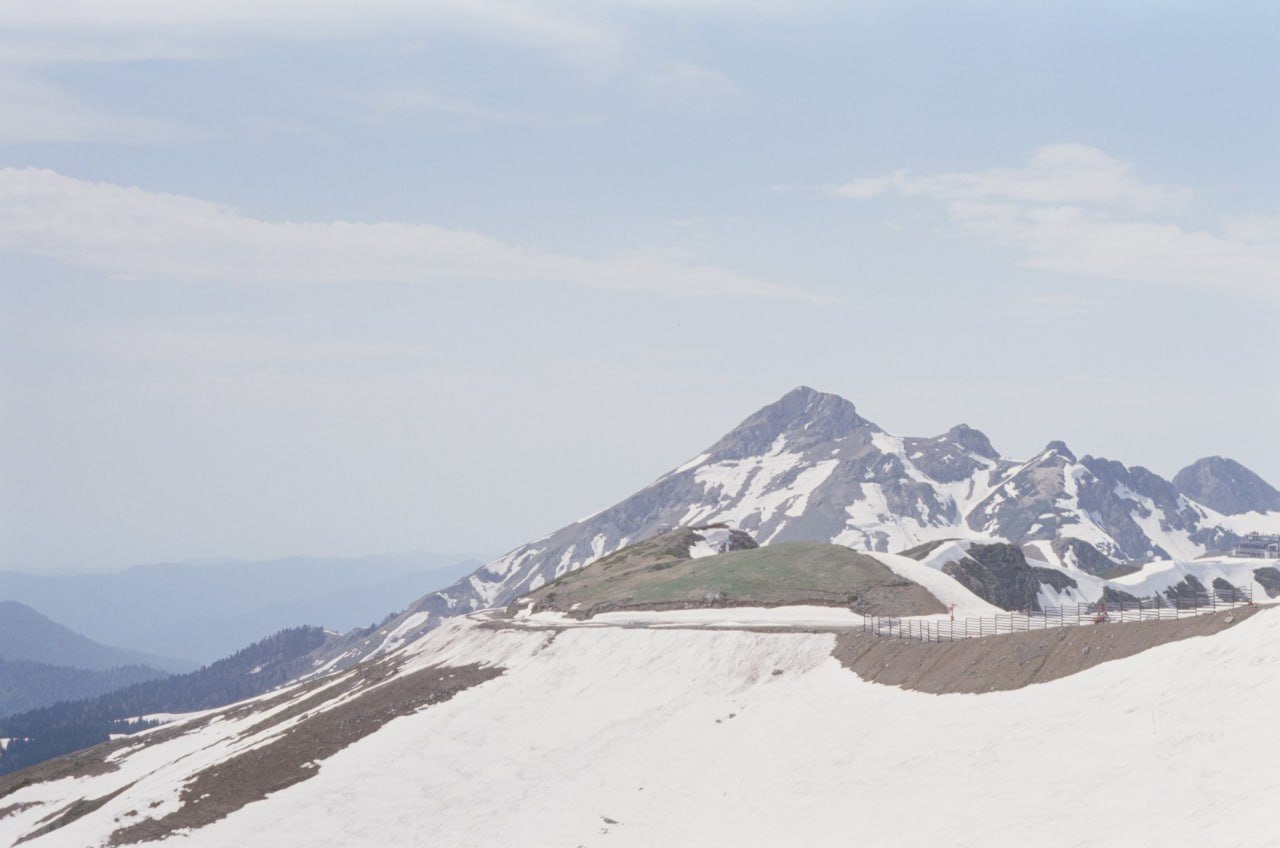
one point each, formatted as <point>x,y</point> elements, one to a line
<point>130,232</point>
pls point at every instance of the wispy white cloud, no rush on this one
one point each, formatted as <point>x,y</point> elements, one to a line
<point>689,84</point>
<point>1050,306</point>
<point>230,349</point>
<point>1058,173</point>
<point>597,42</point>
<point>129,232</point>
<point>772,8</point>
<point>161,25</point>
<point>32,110</point>
<point>395,103</point>
<point>1074,209</point>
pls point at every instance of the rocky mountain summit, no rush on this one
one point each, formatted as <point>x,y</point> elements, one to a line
<point>1226,486</point>
<point>809,467</point>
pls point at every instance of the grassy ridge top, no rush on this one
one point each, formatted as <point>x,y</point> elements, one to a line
<point>659,574</point>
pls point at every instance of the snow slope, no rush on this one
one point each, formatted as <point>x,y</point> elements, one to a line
<point>642,737</point>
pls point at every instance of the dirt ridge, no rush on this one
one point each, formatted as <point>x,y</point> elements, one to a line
<point>1014,660</point>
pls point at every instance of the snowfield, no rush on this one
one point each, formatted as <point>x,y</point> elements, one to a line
<point>613,736</point>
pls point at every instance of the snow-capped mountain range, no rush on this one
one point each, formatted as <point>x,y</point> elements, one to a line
<point>809,467</point>
<point>422,730</point>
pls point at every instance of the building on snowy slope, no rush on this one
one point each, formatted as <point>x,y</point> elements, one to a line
<point>1257,546</point>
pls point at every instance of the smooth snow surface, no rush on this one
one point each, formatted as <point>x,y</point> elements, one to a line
<point>690,738</point>
<point>723,617</point>
<point>942,586</point>
<point>165,718</point>
<point>397,637</point>
<point>1267,523</point>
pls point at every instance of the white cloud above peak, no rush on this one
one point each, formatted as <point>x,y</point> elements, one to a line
<point>1076,209</point>
<point>132,233</point>
<point>1056,173</point>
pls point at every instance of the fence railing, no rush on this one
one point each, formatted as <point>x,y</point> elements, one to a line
<point>1075,615</point>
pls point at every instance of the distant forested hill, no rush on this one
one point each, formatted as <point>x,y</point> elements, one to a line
<point>26,685</point>
<point>47,732</point>
<point>26,634</point>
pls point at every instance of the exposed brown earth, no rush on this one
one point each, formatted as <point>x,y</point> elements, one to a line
<point>71,812</point>
<point>85,763</point>
<point>16,808</point>
<point>1014,660</point>
<point>294,756</point>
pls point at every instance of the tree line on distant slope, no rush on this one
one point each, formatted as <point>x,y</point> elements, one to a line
<point>26,685</point>
<point>41,734</point>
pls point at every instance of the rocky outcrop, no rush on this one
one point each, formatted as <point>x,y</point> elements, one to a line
<point>1082,555</point>
<point>1226,486</point>
<point>1269,578</point>
<point>999,574</point>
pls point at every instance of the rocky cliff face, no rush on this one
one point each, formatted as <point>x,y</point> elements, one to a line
<point>1000,575</point>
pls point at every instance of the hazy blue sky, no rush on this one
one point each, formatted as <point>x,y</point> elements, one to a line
<point>319,278</point>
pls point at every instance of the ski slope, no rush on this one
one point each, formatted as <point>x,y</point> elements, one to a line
<point>641,737</point>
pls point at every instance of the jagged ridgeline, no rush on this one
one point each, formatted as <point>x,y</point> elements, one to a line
<point>810,468</point>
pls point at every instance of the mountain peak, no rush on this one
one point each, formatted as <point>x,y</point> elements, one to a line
<point>974,441</point>
<point>1225,485</point>
<point>1060,448</point>
<point>807,398</point>
<point>805,416</point>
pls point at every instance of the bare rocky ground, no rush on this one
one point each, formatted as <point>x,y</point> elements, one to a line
<point>84,763</point>
<point>10,809</point>
<point>1014,660</point>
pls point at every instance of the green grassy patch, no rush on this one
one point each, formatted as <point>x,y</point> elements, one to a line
<point>652,575</point>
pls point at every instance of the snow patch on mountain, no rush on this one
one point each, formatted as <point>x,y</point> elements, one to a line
<point>1266,523</point>
<point>400,634</point>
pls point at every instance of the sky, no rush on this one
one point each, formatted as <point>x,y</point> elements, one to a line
<point>285,278</point>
